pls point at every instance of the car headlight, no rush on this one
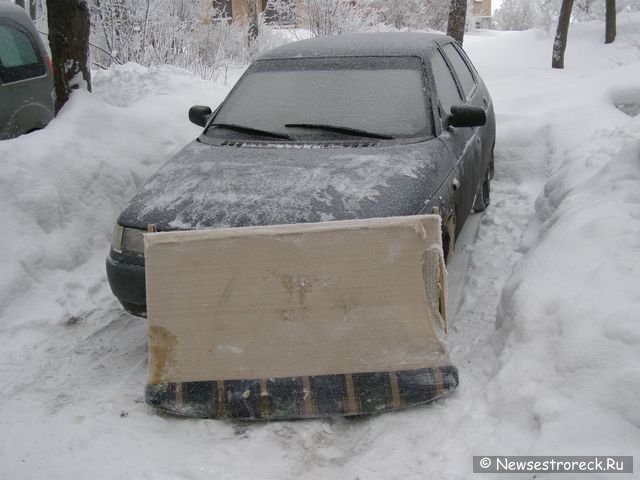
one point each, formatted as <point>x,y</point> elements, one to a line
<point>128,240</point>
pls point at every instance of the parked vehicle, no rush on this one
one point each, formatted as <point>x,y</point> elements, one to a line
<point>351,127</point>
<point>26,75</point>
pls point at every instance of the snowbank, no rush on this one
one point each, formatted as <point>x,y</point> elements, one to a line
<point>569,364</point>
<point>62,187</point>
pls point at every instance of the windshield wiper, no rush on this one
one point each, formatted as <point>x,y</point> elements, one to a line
<point>251,130</point>
<point>339,129</point>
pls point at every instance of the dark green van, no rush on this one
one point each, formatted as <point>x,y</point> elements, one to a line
<point>26,79</point>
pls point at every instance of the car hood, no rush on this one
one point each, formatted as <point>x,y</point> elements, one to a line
<point>210,186</point>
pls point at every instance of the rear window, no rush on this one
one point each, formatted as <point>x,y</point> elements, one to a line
<point>19,55</point>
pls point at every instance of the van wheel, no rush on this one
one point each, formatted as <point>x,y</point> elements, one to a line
<point>483,194</point>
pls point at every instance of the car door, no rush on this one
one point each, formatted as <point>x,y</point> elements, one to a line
<point>456,85</point>
<point>481,98</point>
<point>475,94</point>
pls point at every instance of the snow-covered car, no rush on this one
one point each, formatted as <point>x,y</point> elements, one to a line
<point>352,127</point>
<point>26,75</point>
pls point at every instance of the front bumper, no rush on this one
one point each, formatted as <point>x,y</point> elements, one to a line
<point>304,397</point>
<point>126,279</point>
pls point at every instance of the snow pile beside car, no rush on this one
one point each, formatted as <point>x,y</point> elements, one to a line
<point>570,360</point>
<point>62,187</point>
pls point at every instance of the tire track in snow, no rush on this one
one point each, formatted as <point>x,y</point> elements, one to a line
<point>490,245</point>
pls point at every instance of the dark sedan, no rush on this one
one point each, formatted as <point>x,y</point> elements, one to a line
<point>361,126</point>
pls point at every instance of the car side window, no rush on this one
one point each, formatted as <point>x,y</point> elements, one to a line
<point>469,63</point>
<point>446,87</point>
<point>19,55</point>
<point>461,68</point>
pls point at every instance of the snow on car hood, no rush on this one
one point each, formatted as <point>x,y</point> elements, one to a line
<point>210,186</point>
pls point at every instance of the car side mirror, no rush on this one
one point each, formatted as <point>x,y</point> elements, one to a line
<point>467,116</point>
<point>199,114</point>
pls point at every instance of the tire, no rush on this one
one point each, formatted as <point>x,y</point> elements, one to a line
<point>483,194</point>
<point>134,309</point>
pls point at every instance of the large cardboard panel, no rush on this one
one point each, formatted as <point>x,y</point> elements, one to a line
<point>296,300</point>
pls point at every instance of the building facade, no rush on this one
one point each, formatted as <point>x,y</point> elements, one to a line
<point>479,14</point>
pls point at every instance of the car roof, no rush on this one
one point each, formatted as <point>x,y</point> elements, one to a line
<point>14,12</point>
<point>361,45</point>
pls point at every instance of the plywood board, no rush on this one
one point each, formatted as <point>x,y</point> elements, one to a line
<point>296,300</point>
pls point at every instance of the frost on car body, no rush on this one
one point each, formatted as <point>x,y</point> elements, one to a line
<point>368,126</point>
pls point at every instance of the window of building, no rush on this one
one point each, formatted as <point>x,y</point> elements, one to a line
<point>222,9</point>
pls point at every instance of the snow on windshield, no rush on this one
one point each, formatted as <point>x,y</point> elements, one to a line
<point>379,95</point>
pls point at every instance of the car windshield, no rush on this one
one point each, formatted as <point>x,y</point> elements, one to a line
<point>328,98</point>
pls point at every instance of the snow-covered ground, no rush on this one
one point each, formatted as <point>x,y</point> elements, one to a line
<point>544,288</point>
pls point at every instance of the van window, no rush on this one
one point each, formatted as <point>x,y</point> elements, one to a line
<point>19,56</point>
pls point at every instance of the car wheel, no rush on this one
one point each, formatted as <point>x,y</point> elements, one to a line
<point>134,309</point>
<point>483,194</point>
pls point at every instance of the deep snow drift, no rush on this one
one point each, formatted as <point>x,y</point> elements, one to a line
<point>544,287</point>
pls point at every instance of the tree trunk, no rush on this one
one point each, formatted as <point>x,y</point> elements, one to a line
<point>144,33</point>
<point>457,19</point>
<point>68,22</point>
<point>560,42</point>
<point>20,3</point>
<point>253,22</point>
<point>610,34</point>
<point>32,9</point>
